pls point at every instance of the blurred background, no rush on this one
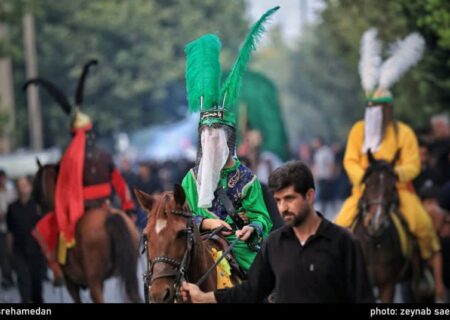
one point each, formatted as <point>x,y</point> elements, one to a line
<point>302,91</point>
<point>310,55</point>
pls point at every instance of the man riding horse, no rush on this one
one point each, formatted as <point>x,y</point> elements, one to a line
<point>383,136</point>
<point>85,180</point>
<point>219,189</point>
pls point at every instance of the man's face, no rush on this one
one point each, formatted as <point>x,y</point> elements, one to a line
<point>316,143</point>
<point>431,206</point>
<point>144,171</point>
<point>423,152</point>
<point>3,181</point>
<point>293,207</point>
<point>440,129</point>
<point>24,187</point>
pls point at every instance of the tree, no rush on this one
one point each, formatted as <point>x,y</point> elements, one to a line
<point>140,47</point>
<point>424,90</point>
<point>319,78</point>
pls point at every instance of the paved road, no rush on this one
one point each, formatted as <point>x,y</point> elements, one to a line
<point>113,291</point>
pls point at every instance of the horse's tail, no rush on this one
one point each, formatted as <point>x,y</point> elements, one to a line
<point>124,255</point>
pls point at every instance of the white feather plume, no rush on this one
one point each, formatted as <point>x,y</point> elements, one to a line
<point>405,54</point>
<point>370,61</point>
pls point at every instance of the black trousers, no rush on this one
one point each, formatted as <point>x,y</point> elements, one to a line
<point>30,268</point>
<point>5,264</point>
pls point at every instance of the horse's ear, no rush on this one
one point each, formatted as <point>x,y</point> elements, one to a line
<point>370,156</point>
<point>38,163</point>
<point>179,195</point>
<point>145,200</point>
<point>396,157</point>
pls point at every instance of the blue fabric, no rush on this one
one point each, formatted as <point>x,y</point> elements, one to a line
<point>198,220</point>
<point>236,181</point>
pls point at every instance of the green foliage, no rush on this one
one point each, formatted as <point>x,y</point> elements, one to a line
<point>140,48</point>
<point>140,43</point>
<point>318,77</point>
<point>425,89</point>
<point>4,119</point>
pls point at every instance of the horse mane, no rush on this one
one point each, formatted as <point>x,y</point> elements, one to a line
<point>377,166</point>
<point>38,193</point>
<point>36,184</point>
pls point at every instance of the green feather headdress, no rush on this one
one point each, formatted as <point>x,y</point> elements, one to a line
<point>203,72</point>
<point>203,75</point>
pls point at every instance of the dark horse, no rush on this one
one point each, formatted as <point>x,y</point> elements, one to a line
<point>175,249</point>
<point>375,228</point>
<point>106,244</point>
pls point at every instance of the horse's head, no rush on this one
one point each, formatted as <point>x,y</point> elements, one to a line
<point>170,239</point>
<point>44,186</point>
<point>380,194</point>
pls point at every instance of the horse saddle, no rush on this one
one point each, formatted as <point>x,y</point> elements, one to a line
<point>220,243</point>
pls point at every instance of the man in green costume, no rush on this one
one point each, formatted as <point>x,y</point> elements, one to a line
<point>216,166</point>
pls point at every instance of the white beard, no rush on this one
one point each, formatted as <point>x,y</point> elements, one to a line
<point>214,156</point>
<point>373,123</point>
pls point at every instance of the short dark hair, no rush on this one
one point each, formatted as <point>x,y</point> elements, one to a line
<point>429,193</point>
<point>321,139</point>
<point>293,173</point>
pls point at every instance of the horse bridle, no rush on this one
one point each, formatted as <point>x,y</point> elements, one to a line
<point>390,206</point>
<point>179,267</point>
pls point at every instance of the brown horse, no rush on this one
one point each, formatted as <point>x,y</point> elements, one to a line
<point>175,249</point>
<point>378,234</point>
<point>106,244</point>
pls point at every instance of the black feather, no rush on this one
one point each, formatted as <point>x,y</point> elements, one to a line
<point>54,91</point>
<point>80,88</point>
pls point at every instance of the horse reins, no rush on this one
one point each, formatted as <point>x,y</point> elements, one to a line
<point>179,268</point>
<point>389,206</point>
<point>206,274</point>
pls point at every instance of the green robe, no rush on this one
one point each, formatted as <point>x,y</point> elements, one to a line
<point>244,190</point>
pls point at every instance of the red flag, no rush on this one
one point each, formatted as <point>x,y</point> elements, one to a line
<point>69,203</point>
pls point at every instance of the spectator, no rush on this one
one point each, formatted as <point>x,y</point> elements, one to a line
<point>323,169</point>
<point>271,205</point>
<point>440,126</point>
<point>28,261</point>
<point>444,203</point>
<point>441,146</point>
<point>427,177</point>
<point>7,195</point>
<point>126,168</point>
<point>305,153</point>
<point>146,181</point>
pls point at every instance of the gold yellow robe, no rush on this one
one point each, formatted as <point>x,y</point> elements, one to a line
<point>407,168</point>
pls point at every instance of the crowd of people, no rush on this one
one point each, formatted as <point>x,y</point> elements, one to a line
<point>332,182</point>
<point>19,213</point>
<point>289,251</point>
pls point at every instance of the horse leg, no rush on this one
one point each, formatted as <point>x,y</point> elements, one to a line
<point>93,243</point>
<point>96,290</point>
<point>95,270</point>
<point>74,290</point>
<point>386,293</point>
